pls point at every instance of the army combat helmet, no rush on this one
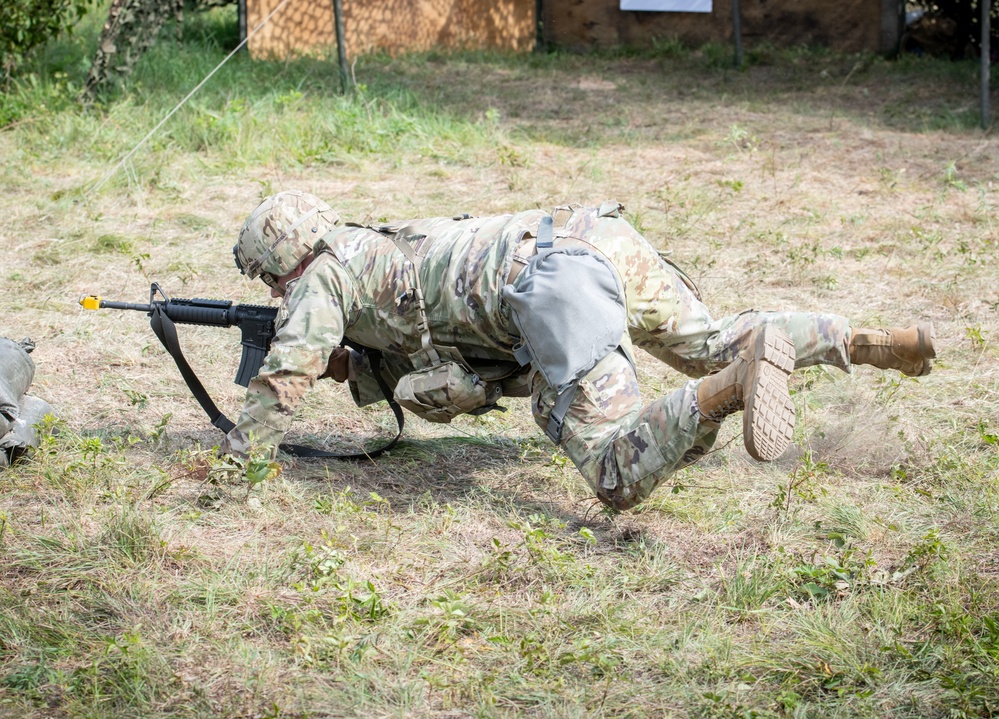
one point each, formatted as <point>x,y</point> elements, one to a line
<point>281,232</point>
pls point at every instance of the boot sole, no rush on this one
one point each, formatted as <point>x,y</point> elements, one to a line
<point>927,337</point>
<point>768,417</point>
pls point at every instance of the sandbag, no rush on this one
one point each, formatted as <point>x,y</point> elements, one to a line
<point>16,373</point>
<point>22,436</point>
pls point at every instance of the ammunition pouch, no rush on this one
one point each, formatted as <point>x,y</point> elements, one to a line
<point>443,391</point>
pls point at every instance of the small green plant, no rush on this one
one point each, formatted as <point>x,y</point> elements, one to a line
<point>158,432</point>
<point>599,654</point>
<point>114,243</point>
<point>988,437</point>
<point>831,577</point>
<point>929,550</point>
<point>742,139</point>
<point>889,177</point>
<point>671,47</point>
<point>362,601</point>
<point>799,483</point>
<point>320,564</point>
<point>498,562</point>
<point>452,617</point>
<point>511,157</point>
<point>139,259</point>
<point>135,398</point>
<point>951,178</point>
<point>975,335</point>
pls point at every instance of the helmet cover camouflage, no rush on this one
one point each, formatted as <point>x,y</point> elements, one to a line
<point>281,231</point>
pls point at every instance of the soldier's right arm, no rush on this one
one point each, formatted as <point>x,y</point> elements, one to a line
<point>310,325</point>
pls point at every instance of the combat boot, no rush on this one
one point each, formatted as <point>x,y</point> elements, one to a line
<point>756,383</point>
<point>908,350</point>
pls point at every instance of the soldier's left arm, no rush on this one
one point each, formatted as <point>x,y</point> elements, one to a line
<point>310,325</point>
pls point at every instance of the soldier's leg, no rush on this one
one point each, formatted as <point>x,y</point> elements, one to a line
<point>673,325</point>
<point>666,318</point>
<point>622,449</point>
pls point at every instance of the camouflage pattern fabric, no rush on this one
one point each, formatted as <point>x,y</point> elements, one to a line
<point>281,231</point>
<point>130,30</point>
<point>623,448</point>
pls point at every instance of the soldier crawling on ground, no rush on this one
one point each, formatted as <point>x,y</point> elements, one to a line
<point>465,310</point>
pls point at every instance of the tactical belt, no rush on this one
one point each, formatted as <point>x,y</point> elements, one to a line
<point>165,329</point>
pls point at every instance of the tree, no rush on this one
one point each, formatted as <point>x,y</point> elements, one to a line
<point>26,24</point>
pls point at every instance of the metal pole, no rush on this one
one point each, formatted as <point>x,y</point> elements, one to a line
<point>901,28</point>
<point>242,20</point>
<point>341,48</point>
<point>737,32</point>
<point>986,60</point>
<point>539,24</point>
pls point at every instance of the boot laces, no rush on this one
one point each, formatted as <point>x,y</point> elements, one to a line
<point>732,404</point>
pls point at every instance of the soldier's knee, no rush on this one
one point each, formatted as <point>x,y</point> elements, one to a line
<point>632,467</point>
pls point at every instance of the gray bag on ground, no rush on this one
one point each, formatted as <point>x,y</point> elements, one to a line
<point>19,412</point>
<point>16,373</point>
<point>570,310</point>
<point>22,435</point>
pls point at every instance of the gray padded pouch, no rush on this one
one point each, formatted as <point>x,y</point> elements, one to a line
<point>570,310</point>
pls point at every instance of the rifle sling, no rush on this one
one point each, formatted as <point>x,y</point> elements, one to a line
<point>166,331</point>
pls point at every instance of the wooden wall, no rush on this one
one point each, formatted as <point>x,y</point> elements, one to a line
<point>845,25</point>
<point>303,26</point>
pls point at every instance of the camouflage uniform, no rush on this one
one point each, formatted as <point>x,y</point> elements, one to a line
<point>357,286</point>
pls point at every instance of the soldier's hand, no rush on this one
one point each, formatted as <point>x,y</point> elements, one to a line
<point>338,367</point>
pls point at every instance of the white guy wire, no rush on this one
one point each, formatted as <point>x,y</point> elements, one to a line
<point>152,132</point>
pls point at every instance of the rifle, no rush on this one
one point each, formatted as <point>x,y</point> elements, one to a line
<point>256,323</point>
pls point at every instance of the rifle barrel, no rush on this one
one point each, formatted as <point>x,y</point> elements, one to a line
<point>106,304</point>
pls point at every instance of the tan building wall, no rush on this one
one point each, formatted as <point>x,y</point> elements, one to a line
<point>846,25</point>
<point>391,25</point>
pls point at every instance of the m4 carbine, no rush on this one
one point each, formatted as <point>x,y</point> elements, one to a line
<point>256,322</point>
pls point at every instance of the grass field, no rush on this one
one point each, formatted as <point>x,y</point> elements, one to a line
<point>470,573</point>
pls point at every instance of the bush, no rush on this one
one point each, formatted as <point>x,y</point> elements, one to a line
<point>26,24</point>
